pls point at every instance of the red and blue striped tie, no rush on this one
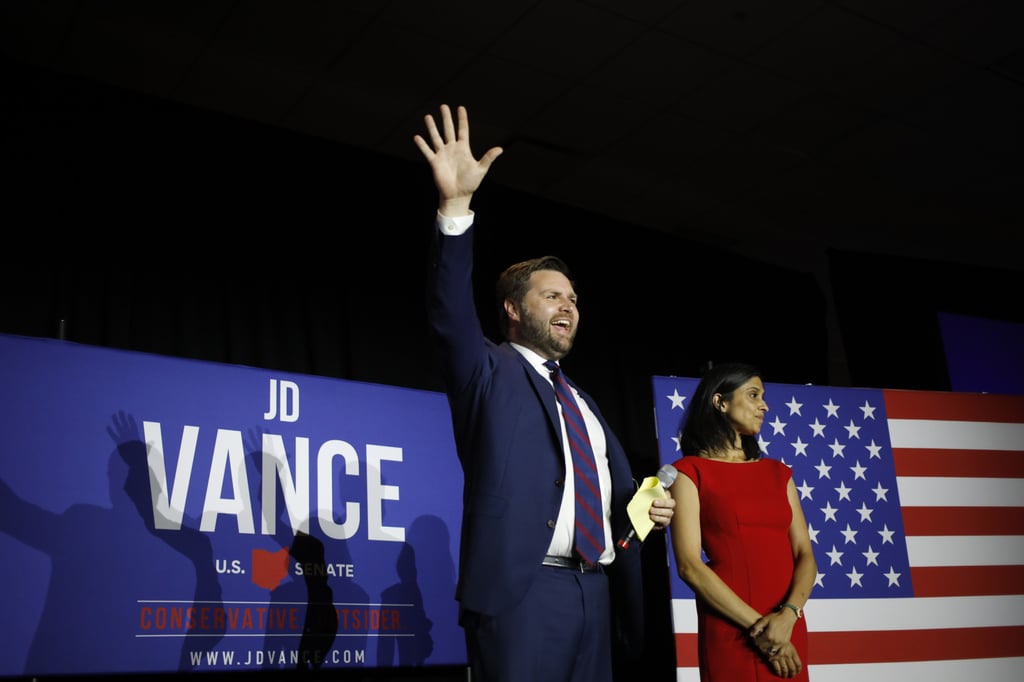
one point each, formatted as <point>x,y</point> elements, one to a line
<point>589,510</point>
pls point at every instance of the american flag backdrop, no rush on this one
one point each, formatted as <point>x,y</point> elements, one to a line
<point>915,505</point>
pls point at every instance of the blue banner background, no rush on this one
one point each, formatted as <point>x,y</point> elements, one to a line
<point>86,574</point>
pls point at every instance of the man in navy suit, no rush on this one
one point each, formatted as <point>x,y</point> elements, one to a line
<point>531,608</point>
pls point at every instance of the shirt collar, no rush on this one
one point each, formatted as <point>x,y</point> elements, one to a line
<point>535,360</point>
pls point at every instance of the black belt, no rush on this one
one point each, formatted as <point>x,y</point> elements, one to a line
<point>574,564</point>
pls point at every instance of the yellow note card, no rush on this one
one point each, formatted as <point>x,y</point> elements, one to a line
<point>650,489</point>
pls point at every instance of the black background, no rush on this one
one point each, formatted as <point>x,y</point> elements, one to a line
<point>135,223</point>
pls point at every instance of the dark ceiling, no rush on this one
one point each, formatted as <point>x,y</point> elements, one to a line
<point>775,129</point>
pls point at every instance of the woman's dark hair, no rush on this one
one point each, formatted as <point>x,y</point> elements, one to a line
<point>705,428</point>
<point>515,282</point>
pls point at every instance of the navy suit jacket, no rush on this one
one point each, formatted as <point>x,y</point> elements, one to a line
<point>509,441</point>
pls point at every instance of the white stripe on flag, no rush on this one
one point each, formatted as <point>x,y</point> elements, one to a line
<point>960,550</point>
<point>954,435</point>
<point>985,669</point>
<point>938,491</point>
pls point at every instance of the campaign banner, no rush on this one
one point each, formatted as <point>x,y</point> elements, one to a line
<point>914,501</point>
<point>162,514</point>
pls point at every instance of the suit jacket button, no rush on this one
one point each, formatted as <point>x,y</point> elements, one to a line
<point>559,482</point>
<point>551,524</point>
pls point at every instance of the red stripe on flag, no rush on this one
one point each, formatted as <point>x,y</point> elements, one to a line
<point>968,463</point>
<point>957,581</point>
<point>972,407</point>
<point>686,650</point>
<point>891,646</point>
<point>963,521</point>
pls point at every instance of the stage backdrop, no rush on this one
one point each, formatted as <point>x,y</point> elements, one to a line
<point>915,505</point>
<point>161,514</point>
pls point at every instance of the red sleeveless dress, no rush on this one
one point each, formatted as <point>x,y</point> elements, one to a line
<point>744,520</point>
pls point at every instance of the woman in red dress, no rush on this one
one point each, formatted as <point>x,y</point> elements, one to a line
<point>742,510</point>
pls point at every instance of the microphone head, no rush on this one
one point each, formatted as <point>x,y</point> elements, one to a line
<point>667,475</point>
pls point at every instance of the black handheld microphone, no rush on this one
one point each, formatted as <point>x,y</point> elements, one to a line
<point>666,476</point>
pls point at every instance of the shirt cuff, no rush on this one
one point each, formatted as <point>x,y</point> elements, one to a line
<point>454,226</point>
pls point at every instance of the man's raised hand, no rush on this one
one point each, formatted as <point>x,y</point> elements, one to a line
<point>456,173</point>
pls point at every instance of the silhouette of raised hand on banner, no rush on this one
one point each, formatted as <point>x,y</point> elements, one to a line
<point>103,561</point>
<point>187,540</point>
